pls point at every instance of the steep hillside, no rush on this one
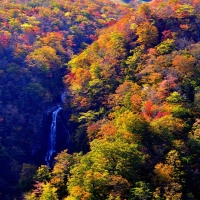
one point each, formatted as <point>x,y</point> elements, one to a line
<point>134,96</point>
<point>131,101</point>
<point>37,39</point>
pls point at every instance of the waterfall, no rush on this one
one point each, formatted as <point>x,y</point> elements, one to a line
<point>52,137</point>
<point>63,97</point>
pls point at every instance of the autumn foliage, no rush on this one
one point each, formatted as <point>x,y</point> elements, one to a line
<point>130,73</point>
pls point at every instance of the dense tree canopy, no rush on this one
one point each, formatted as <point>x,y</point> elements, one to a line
<point>131,78</point>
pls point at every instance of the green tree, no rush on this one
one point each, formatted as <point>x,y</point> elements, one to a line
<point>130,122</point>
<point>43,174</point>
<point>167,127</point>
<point>185,10</point>
<point>119,164</point>
<point>141,191</point>
<point>174,97</point>
<point>45,58</point>
<point>49,192</point>
<point>147,34</point>
<point>166,46</point>
<point>194,137</point>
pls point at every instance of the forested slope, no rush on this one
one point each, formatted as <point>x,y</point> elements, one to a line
<point>135,95</point>
<point>132,107</point>
<point>37,39</point>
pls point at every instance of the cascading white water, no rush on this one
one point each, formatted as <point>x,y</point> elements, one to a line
<point>52,137</point>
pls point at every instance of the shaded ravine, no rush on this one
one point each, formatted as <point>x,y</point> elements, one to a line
<point>54,136</point>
